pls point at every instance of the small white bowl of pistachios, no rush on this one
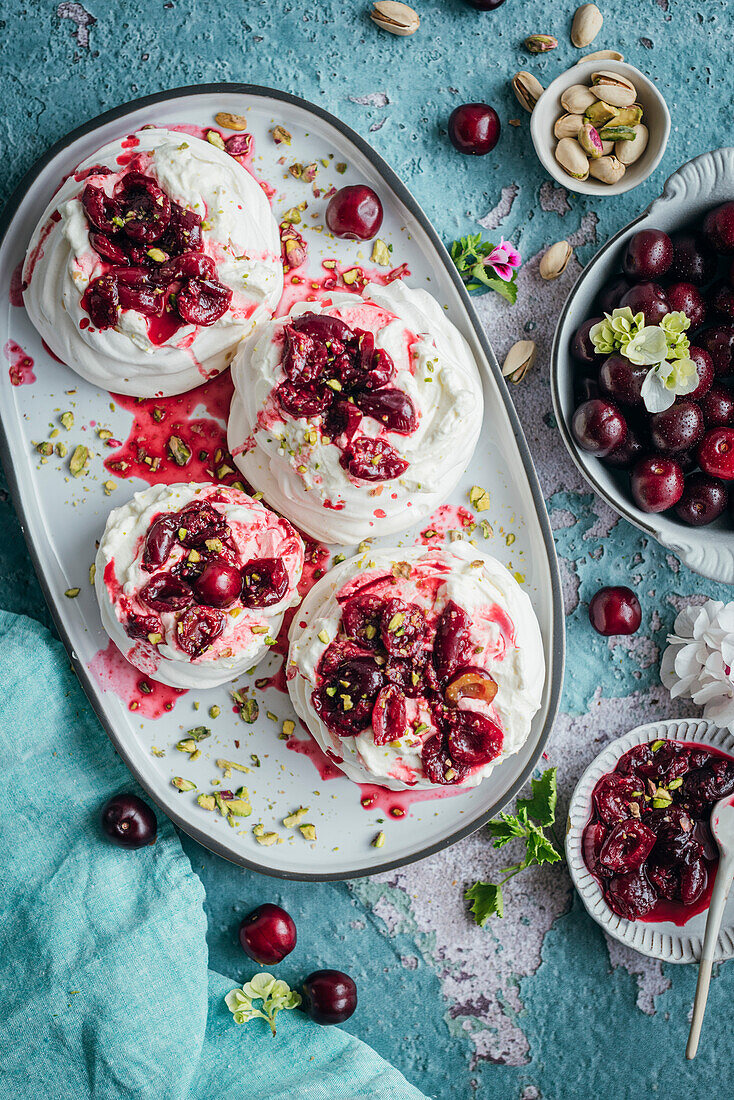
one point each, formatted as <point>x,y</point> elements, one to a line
<point>600,128</point>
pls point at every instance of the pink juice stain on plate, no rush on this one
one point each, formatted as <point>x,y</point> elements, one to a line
<point>20,370</point>
<point>16,285</point>
<point>140,694</point>
<point>449,517</point>
<point>396,804</point>
<point>324,766</point>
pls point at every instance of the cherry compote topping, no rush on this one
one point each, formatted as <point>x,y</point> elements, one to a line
<point>388,653</point>
<point>336,373</point>
<point>648,841</point>
<point>150,247</point>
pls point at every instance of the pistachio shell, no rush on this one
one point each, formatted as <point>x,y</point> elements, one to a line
<point>601,55</point>
<point>572,158</point>
<point>587,23</point>
<point>397,18</point>
<point>607,147</point>
<point>568,126</point>
<point>519,360</point>
<point>630,151</point>
<point>607,169</point>
<point>554,260</point>
<point>527,89</point>
<point>613,89</point>
<point>577,99</point>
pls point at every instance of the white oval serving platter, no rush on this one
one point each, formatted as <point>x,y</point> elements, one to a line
<point>659,939</point>
<point>62,516</point>
<point>696,187</point>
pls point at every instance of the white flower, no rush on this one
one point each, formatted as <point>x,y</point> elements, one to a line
<point>666,381</point>
<point>699,661</point>
<point>647,347</point>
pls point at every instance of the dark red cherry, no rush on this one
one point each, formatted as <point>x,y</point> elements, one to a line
<point>693,881</point>
<point>143,298</point>
<point>649,299</point>
<point>345,702</point>
<point>101,300</point>
<point>203,301</point>
<point>648,255</point>
<point>716,453</point>
<point>438,765</point>
<point>355,213</point>
<point>631,895</point>
<point>452,642</point>
<point>614,795</point>
<point>582,348</point>
<point>402,628</point>
<point>165,592</point>
<point>474,128</point>
<point>591,842</point>
<point>665,880</point>
<point>373,460</point>
<point>694,261</point>
<point>473,739</point>
<point>718,228</point>
<point>615,609</point>
<point>268,934</point>
<point>689,300</point>
<point>361,617</point>
<point>322,327</point>
<point>718,341</point>
<point>159,541</point>
<point>128,821</point>
<point>192,265</point>
<point>146,208</point>
<point>676,429</point>
<point>705,368</point>
<point>389,715</point>
<point>708,784</point>
<point>107,248</point>
<point>200,521</point>
<point>303,402</point>
<point>218,585</point>
<point>598,427</point>
<point>335,655</point>
<point>141,626</point>
<point>198,628</point>
<point>621,381</point>
<point>380,371</point>
<point>100,210</point>
<point>612,293</point>
<point>393,408</point>
<point>657,484</point>
<point>628,453</point>
<point>704,499</point>
<point>329,996</point>
<point>485,5</point>
<point>264,582</point>
<point>717,406</point>
<point>183,233</point>
<point>721,300</point>
<point>627,846</point>
<point>304,357</point>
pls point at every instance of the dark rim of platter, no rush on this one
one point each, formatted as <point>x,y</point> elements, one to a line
<point>558,641</point>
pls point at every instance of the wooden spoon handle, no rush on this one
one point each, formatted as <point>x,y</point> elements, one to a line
<point>719,894</point>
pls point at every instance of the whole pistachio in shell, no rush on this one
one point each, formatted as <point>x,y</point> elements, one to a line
<point>601,55</point>
<point>607,169</point>
<point>397,18</point>
<point>613,89</point>
<point>568,126</point>
<point>519,360</point>
<point>577,99</point>
<point>587,23</point>
<point>630,151</point>
<point>554,260</point>
<point>589,140</point>
<point>527,89</point>
<point>572,158</point>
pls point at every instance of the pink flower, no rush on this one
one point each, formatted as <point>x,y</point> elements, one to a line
<point>504,260</point>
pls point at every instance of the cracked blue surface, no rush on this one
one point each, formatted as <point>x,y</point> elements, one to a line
<point>64,63</point>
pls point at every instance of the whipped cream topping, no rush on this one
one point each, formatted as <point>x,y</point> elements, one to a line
<point>300,474</point>
<point>239,234</point>
<point>505,637</point>
<point>120,575</point>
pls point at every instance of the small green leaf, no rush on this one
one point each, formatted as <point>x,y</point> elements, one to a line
<point>504,829</point>
<point>541,806</point>
<point>539,848</point>
<point>486,899</point>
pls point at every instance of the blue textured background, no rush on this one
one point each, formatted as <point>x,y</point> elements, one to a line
<point>539,1005</point>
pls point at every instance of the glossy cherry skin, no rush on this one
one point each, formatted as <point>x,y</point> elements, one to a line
<point>268,934</point>
<point>354,212</point>
<point>218,585</point>
<point>598,427</point>
<point>612,293</point>
<point>615,609</point>
<point>648,255</point>
<point>485,5</point>
<point>704,499</point>
<point>628,453</point>
<point>649,299</point>
<point>621,381</point>
<point>677,429</point>
<point>716,453</point>
<point>705,367</point>
<point>689,300</point>
<point>329,996</point>
<point>582,348</point>
<point>718,228</point>
<point>657,484</point>
<point>717,406</point>
<point>694,260</point>
<point>474,128</point>
<point>718,341</point>
<point>129,822</point>
<point>721,299</point>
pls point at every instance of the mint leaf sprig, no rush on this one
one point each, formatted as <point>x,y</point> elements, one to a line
<point>275,996</point>
<point>469,254</point>
<point>533,815</point>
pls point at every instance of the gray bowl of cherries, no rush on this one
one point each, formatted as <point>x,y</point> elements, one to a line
<point>642,373</point>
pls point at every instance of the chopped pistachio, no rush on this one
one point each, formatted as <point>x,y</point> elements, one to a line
<point>61,449</point>
<point>308,832</point>
<point>67,420</point>
<point>341,167</point>
<point>92,572</point>
<point>109,487</point>
<point>157,255</point>
<point>179,451</point>
<point>45,449</point>
<point>238,807</point>
<point>215,138</point>
<point>289,727</point>
<point>267,839</point>
<point>104,434</point>
<point>295,818</point>
<point>78,460</point>
<point>280,135</point>
<point>351,276</point>
<point>291,217</point>
<point>486,527</point>
<point>186,745</point>
<point>249,710</point>
<point>199,733</point>
<point>657,745</point>
<point>479,498</point>
<point>72,593</point>
<point>221,804</point>
<point>259,629</point>
<point>183,784</point>
<point>323,636</point>
<point>381,253</point>
<point>675,784</point>
<point>206,801</point>
<point>214,545</point>
<point>214,711</point>
<point>379,840</point>
<point>228,766</point>
<point>509,538</point>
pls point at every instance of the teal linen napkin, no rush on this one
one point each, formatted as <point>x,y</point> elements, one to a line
<point>103,955</point>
